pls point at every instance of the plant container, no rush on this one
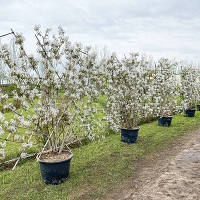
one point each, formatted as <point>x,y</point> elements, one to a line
<point>55,172</point>
<point>198,107</point>
<point>189,113</point>
<point>129,135</point>
<point>164,121</point>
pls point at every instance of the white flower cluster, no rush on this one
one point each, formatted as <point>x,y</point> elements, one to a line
<point>2,154</point>
<point>127,90</point>
<point>189,87</point>
<point>165,87</point>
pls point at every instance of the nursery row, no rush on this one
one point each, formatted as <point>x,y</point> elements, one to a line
<point>53,104</point>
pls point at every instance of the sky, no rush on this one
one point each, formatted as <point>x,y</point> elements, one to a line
<point>158,28</point>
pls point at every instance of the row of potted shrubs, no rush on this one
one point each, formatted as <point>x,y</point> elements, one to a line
<point>130,136</point>
<point>56,92</point>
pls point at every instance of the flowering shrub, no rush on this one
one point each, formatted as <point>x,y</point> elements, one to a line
<point>165,87</point>
<point>128,90</point>
<point>197,88</point>
<point>58,87</point>
<point>188,87</point>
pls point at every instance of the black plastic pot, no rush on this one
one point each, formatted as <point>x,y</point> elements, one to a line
<point>164,121</point>
<point>189,113</point>
<point>55,172</point>
<point>198,107</point>
<point>129,135</point>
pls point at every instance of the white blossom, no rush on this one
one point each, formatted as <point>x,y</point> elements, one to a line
<point>1,117</point>
<point>2,154</point>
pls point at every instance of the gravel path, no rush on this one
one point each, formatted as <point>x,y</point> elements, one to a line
<point>175,176</point>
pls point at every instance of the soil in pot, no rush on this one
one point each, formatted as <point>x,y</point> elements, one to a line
<point>189,113</point>
<point>55,167</point>
<point>164,121</point>
<point>198,107</point>
<point>129,135</point>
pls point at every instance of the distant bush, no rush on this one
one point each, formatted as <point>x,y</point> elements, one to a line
<point>8,89</point>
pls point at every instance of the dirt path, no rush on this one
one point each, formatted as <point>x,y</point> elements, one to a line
<point>171,174</point>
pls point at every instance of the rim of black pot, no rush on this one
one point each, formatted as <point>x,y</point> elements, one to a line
<point>59,161</point>
<point>166,116</point>
<point>134,129</point>
<point>191,109</point>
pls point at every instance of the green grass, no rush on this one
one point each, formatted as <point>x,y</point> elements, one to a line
<point>96,167</point>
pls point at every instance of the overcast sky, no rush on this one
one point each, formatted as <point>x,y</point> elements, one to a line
<point>169,28</point>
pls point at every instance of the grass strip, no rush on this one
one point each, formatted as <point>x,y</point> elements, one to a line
<point>96,167</point>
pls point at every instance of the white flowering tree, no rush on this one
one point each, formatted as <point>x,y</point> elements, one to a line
<point>188,87</point>
<point>127,90</point>
<point>165,88</point>
<point>198,88</point>
<point>57,88</point>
